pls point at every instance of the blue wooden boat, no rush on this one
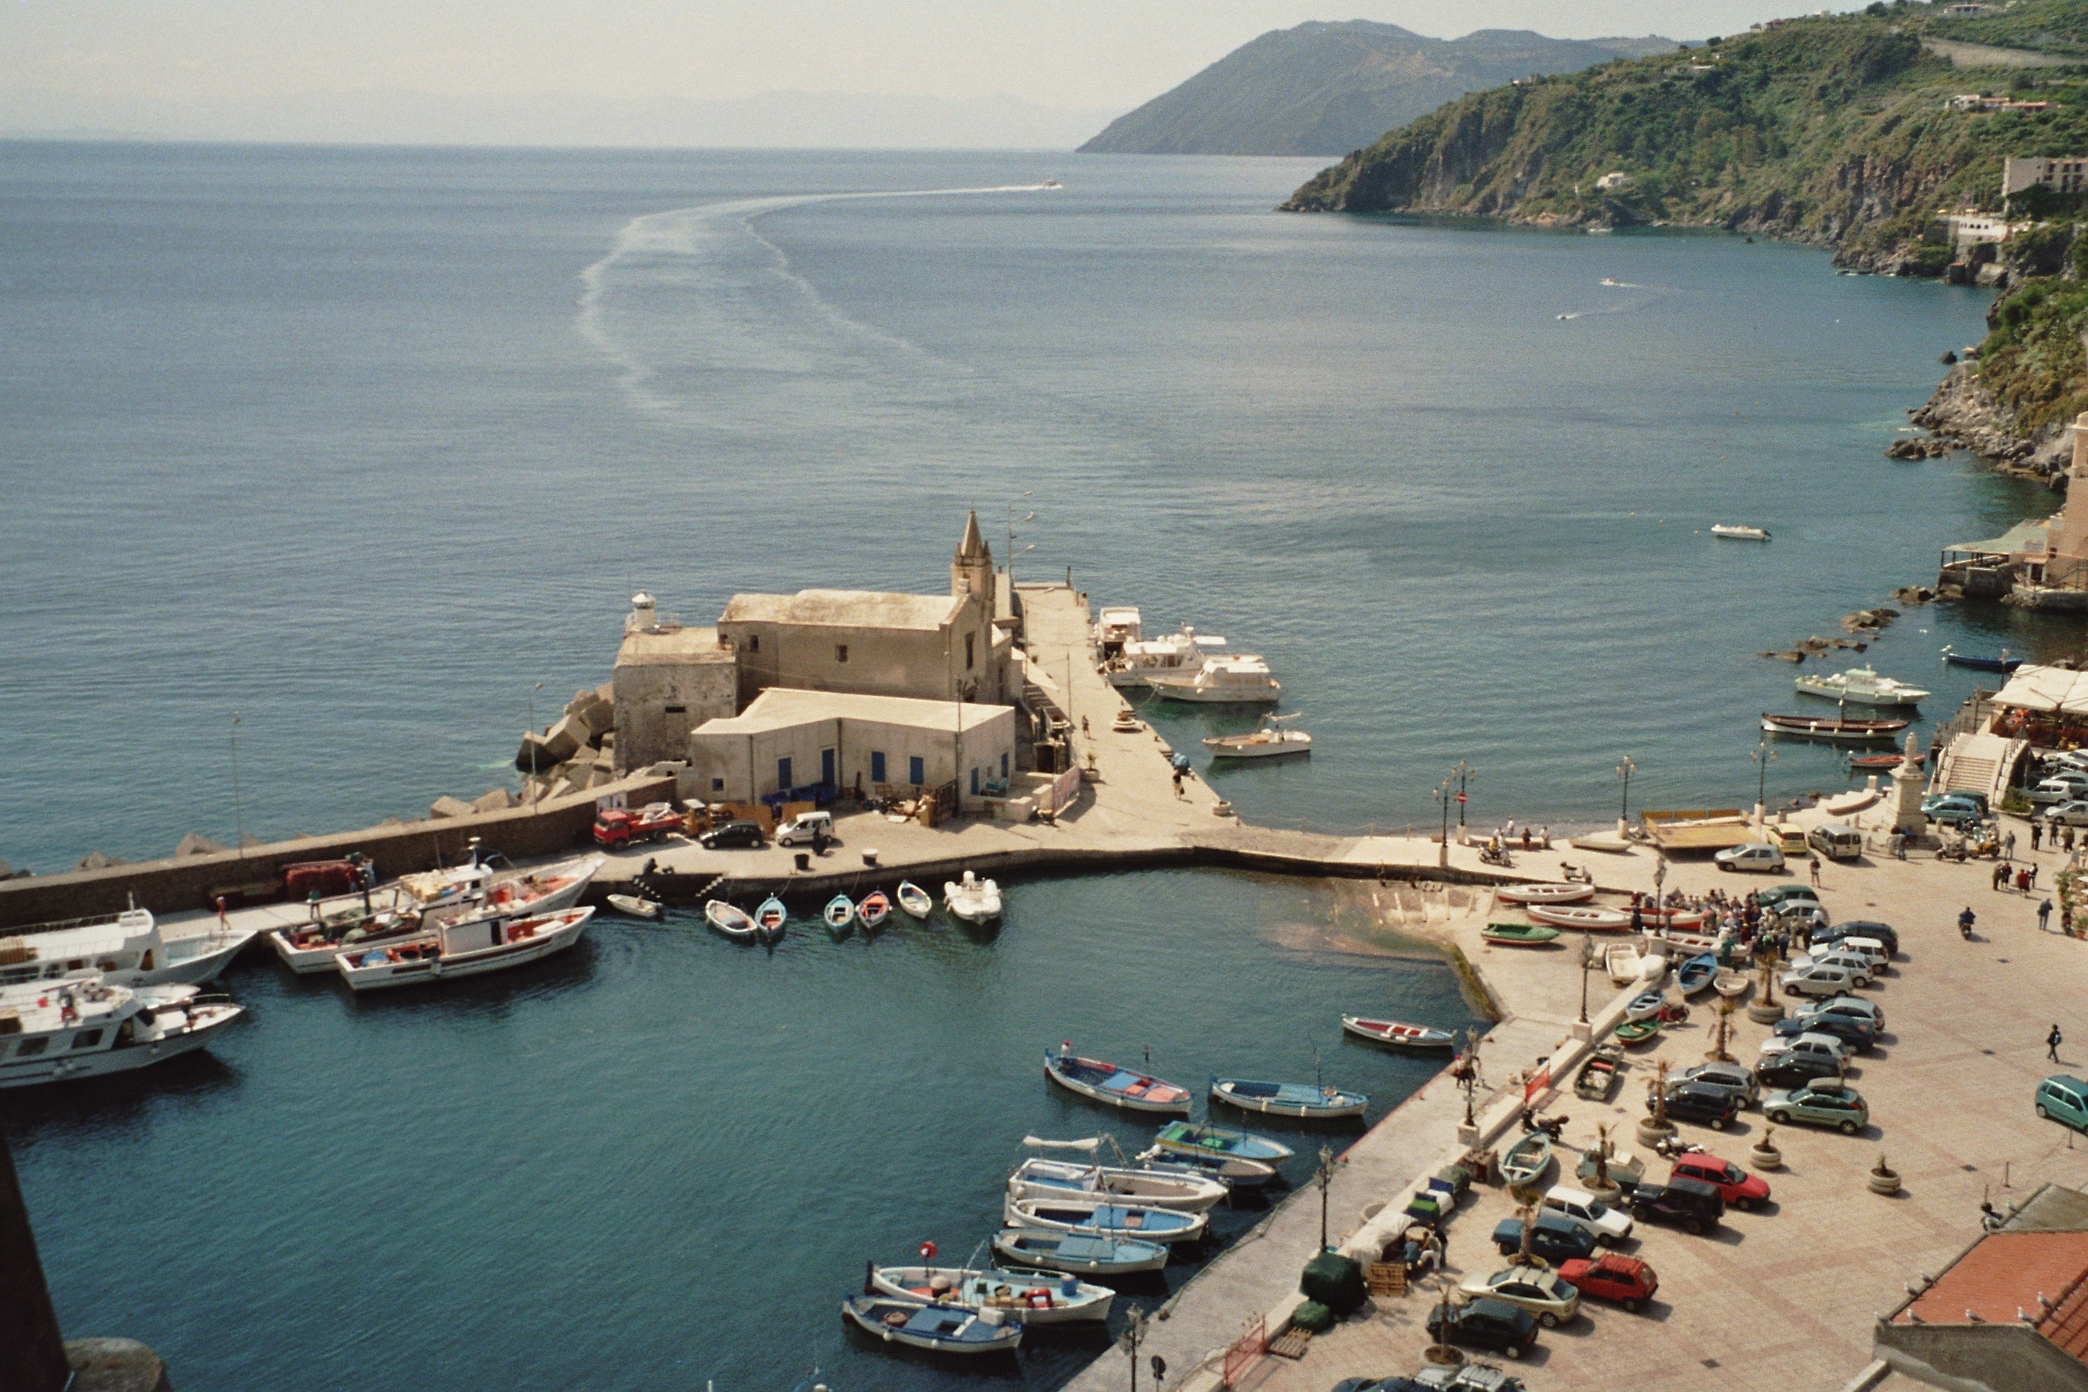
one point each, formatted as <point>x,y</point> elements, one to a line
<point>2003,663</point>
<point>942,1328</point>
<point>1079,1253</point>
<point>1306,1101</point>
<point>1528,1159</point>
<point>1119,1087</point>
<point>1190,1139</point>
<point>1697,973</point>
<point>1646,1004</point>
<point>1103,1218</point>
<point>839,914</point>
<point>771,917</point>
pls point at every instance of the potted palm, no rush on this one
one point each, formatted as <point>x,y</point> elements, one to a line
<point>1440,1353</point>
<point>1767,1010</point>
<point>1883,1179</point>
<point>1717,1053</point>
<point>1657,1128</point>
<point>1602,1186</point>
<point>1764,1155</point>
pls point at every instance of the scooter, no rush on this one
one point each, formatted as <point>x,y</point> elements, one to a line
<point>1673,1146</point>
<point>1965,921</point>
<point>1489,856</point>
<point>1550,1126</point>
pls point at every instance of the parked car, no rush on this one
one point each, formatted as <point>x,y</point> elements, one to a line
<point>1689,1205</point>
<point>1836,841</point>
<point>1795,1070</point>
<point>1818,979</point>
<point>1859,1035</point>
<point>1789,838</point>
<point>1861,928</point>
<point>1818,1045</point>
<point>1626,1280</point>
<point>1390,1384</point>
<point>1938,805</point>
<point>2059,787</point>
<point>1736,1186</point>
<point>1553,1236</point>
<point>1713,1106</point>
<point>1851,1007</point>
<point>1465,1377</point>
<point>1776,896</point>
<point>1733,1077</point>
<point>1871,950</point>
<point>621,826</point>
<point>1624,1169</point>
<point>1610,1225</point>
<point>741,834</point>
<point>2073,813</point>
<point>1854,963</point>
<point>1489,1324</point>
<point>1819,1103</point>
<point>2064,1099</point>
<point>805,828</point>
<point>1533,1288</point>
<point>1765,859</point>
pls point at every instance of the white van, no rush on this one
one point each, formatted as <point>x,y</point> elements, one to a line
<point>1837,841</point>
<point>800,830</point>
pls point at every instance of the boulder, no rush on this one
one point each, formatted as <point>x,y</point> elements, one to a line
<point>567,738</point>
<point>196,844</point>
<point>449,807</point>
<point>493,800</point>
<point>607,691</point>
<point>1906,449</point>
<point>598,715</point>
<point>115,1365</point>
<point>98,860</point>
<point>534,755</point>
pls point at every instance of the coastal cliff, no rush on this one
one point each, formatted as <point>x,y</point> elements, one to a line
<point>2017,392</point>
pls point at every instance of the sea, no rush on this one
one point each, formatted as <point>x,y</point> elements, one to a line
<point>331,470</point>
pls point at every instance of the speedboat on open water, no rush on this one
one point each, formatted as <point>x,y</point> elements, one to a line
<point>83,1027</point>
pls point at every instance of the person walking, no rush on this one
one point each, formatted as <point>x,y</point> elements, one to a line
<point>2052,1043</point>
<point>2036,834</point>
<point>1816,870</point>
<point>2044,916</point>
<point>1999,877</point>
<point>2008,845</point>
<point>2031,883</point>
<point>2069,841</point>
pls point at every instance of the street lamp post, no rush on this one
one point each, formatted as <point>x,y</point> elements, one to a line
<point>238,820</point>
<point>1587,961</point>
<point>1465,774</point>
<point>1134,1333</point>
<point>533,745</point>
<point>1326,1178</point>
<point>1624,771</point>
<point>1443,796</point>
<point>1763,756</point>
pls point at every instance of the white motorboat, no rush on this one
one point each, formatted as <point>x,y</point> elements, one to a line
<point>1115,627</point>
<point>972,899</point>
<point>1272,740</point>
<point>1023,1297</point>
<point>1093,1217</point>
<point>634,906</point>
<point>129,949</point>
<point>1139,661</point>
<point>1862,686</point>
<point>1545,893</point>
<point>1737,533</point>
<point>84,1027</point>
<point>469,948</point>
<point>1048,1179</point>
<point>1241,679</point>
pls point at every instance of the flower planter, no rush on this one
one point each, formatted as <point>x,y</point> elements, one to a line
<point>1442,1357</point>
<point>1765,1157</point>
<point>1763,1013</point>
<point>1653,1133</point>
<point>1609,1193</point>
<point>1882,1179</point>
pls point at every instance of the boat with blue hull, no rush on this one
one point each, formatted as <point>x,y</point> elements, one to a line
<point>1119,1087</point>
<point>1229,1170</point>
<point>1101,1218</point>
<point>1306,1101</point>
<point>1080,1253</point>
<point>940,1328</point>
<point>1149,1188</point>
<point>1188,1138</point>
<point>771,917</point>
<point>1697,973</point>
<point>2003,663</point>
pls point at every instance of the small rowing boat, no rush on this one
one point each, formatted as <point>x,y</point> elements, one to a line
<point>1646,1004</point>
<point>1730,984</point>
<point>1518,934</point>
<point>1544,893</point>
<point>771,917</point>
<point>1022,1297</point>
<point>1527,1160</point>
<point>1103,1218</point>
<point>874,910</point>
<point>1399,1035</point>
<point>2003,663</point>
<point>1302,1100</point>
<point>1586,917</point>
<point>1598,1078</point>
<point>915,900</point>
<point>633,906</point>
<point>1190,1138</point>
<point>1733,532</point>
<point>839,914</point>
<point>1840,730</point>
<point>1232,1171</point>
<point>1623,963</point>
<point>1637,1031</point>
<point>940,1328</point>
<point>736,924</point>
<point>1080,1254</point>
<point>1696,973</point>
<point>1680,920</point>
<point>1119,1087</point>
<point>1148,1188</point>
<point>1876,763</point>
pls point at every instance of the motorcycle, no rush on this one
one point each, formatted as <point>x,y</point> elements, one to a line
<point>1672,1146</point>
<point>1489,855</point>
<point>1550,1126</point>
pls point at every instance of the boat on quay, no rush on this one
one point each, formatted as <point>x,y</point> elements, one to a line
<point>1305,1101</point>
<point>85,1027</point>
<point>1519,934</point>
<point>1840,730</point>
<point>1141,660</point>
<point>1544,893</point>
<point>1191,1138</point>
<point>938,1328</point>
<point>470,948</point>
<point>1399,1034</point>
<point>1272,740</point>
<point>1079,1253</point>
<point>1025,1297</point>
<point>1737,532</point>
<point>1861,686</point>
<point>734,922</point>
<point>1731,984</point>
<point>1044,1179</point>
<point>1119,1087</point>
<point>1586,917</point>
<point>2003,663</point>
<point>1105,1218</point>
<point>1241,680</point>
<point>1623,963</point>
<point>972,899</point>
<point>1598,1077</point>
<point>1527,1160</point>
<point>1696,973</point>
<point>125,949</point>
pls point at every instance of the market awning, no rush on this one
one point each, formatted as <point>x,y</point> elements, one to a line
<point>2046,689</point>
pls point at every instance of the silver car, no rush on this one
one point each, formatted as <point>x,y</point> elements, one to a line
<point>2060,787</point>
<point>1733,1077</point>
<point>1766,859</point>
<point>1853,1007</point>
<point>2067,813</point>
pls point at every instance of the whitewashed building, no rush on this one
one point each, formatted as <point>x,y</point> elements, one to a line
<point>790,738</point>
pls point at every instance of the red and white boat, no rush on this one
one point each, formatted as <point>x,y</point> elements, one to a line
<point>1399,1034</point>
<point>469,948</point>
<point>1587,917</point>
<point>1680,920</point>
<point>1544,893</point>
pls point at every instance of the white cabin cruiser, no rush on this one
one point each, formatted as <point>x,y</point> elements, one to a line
<point>1863,686</point>
<point>1272,740</point>
<point>1241,679</point>
<point>83,1027</point>
<point>126,950</point>
<point>467,948</point>
<point>1176,654</point>
<point>1114,628</point>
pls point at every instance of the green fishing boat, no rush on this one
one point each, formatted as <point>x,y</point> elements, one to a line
<point>1518,934</point>
<point>1637,1031</point>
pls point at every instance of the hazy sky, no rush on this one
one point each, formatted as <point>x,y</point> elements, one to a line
<point>65,62</point>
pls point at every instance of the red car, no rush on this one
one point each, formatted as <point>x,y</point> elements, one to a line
<point>1736,1186</point>
<point>1626,1280</point>
<point>618,826</point>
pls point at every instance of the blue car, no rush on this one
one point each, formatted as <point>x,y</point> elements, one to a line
<point>2064,1099</point>
<point>1554,1237</point>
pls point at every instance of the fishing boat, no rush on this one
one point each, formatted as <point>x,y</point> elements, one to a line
<point>1023,1297</point>
<point>1597,1078</point>
<point>1646,1004</point>
<point>1306,1101</point>
<point>1189,1138</point>
<point>1587,917</point>
<point>941,1328</point>
<point>1544,893</point>
<point>1078,1253</point>
<point>1518,934</point>
<point>1733,532</point>
<point>1696,973</point>
<point>84,1027</point>
<point>1527,1160</point>
<point>734,923</point>
<point>915,900</point>
<point>1682,920</point>
<point>1623,963</point>
<point>125,949</point>
<point>1883,763</point>
<point>1105,1218</point>
<point>1232,1171</point>
<point>874,910</point>
<point>1861,685</point>
<point>771,918</point>
<point>839,914</point>
<point>2003,663</point>
<point>1240,680</point>
<point>1272,740</point>
<point>1044,1179</point>
<point>1730,984</point>
<point>1119,1087</point>
<point>1637,1031</point>
<point>972,899</point>
<point>1840,730</point>
<point>470,948</point>
<point>632,906</point>
<point>1399,1035</point>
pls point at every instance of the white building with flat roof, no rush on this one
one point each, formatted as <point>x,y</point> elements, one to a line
<point>790,738</point>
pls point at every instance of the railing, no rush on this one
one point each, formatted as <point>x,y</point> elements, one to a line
<point>1246,1351</point>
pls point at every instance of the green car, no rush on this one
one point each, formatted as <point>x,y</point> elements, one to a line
<point>1820,1102</point>
<point>2064,1100</point>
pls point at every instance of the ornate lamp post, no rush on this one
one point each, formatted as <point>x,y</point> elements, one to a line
<point>1443,796</point>
<point>1624,771</point>
<point>1763,756</point>
<point>1325,1177</point>
<point>1134,1332</point>
<point>1465,774</point>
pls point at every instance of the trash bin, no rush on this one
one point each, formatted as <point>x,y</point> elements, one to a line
<point>804,860</point>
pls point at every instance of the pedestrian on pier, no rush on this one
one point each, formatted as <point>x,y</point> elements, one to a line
<point>2000,876</point>
<point>2052,1043</point>
<point>2008,845</point>
<point>2031,882</point>
<point>2044,915</point>
<point>2036,834</point>
<point>1816,871</point>
<point>1178,782</point>
<point>2069,839</point>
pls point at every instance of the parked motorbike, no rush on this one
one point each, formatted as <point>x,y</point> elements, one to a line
<point>1550,1126</point>
<point>1672,1146</point>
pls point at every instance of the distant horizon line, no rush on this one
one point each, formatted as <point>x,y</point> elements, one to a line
<point>93,137</point>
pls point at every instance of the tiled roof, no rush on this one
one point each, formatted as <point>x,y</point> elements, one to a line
<point>2004,1276</point>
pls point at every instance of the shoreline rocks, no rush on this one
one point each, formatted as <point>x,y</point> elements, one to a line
<point>1963,413</point>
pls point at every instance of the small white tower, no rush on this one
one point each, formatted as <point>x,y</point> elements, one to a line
<point>971,573</point>
<point>644,617</point>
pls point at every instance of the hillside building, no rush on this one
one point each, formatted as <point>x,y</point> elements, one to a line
<point>2064,175</point>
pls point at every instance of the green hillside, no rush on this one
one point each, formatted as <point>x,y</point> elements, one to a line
<point>1828,129</point>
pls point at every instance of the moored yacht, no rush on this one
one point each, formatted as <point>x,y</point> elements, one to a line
<point>1241,679</point>
<point>83,1027</point>
<point>1863,686</point>
<point>1140,660</point>
<point>128,949</point>
<point>1114,628</point>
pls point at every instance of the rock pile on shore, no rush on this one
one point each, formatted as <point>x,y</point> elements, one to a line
<point>576,752</point>
<point>1963,412</point>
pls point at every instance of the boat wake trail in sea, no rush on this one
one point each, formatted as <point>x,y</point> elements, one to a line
<point>709,325</point>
